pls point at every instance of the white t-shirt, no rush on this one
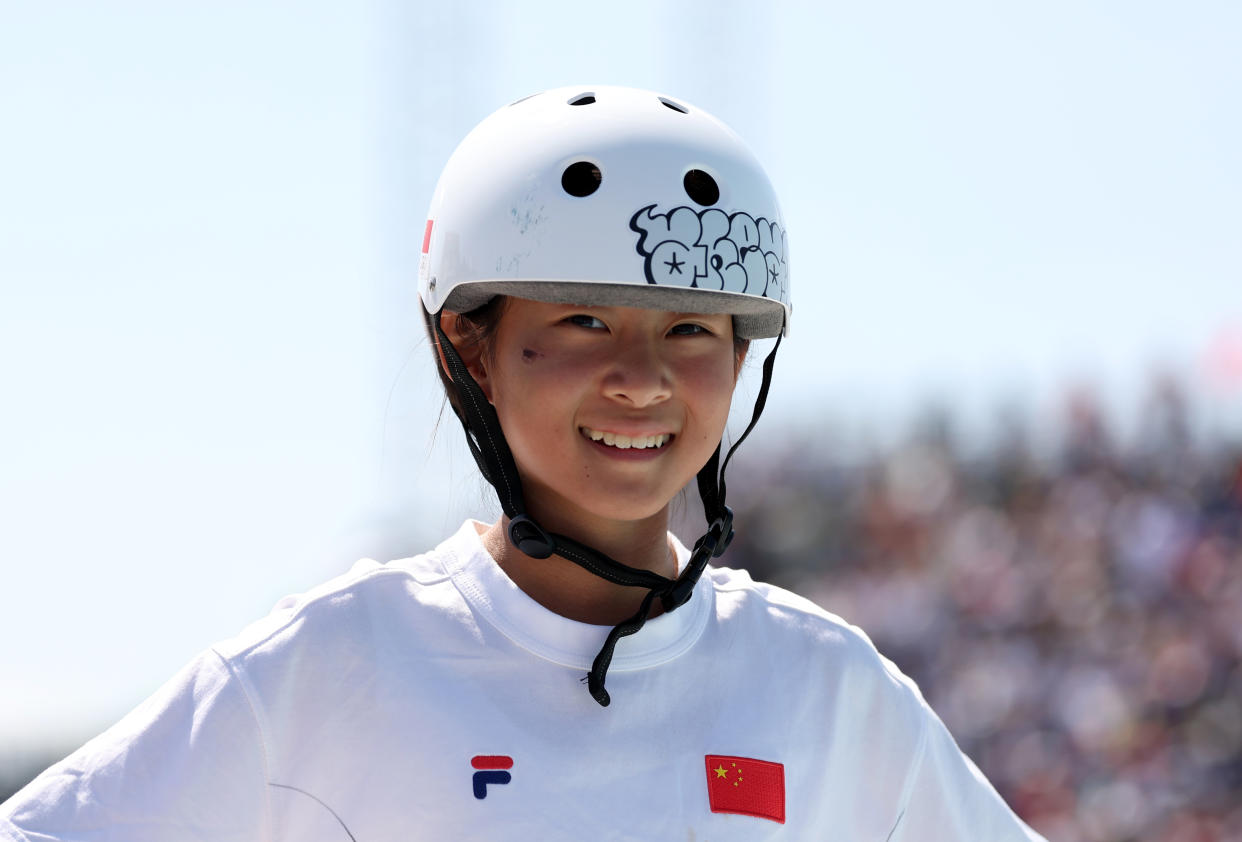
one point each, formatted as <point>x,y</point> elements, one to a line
<point>430,698</point>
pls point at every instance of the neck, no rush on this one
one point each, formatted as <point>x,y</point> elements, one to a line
<point>572,591</point>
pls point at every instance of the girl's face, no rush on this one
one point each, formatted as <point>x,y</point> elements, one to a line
<point>573,386</point>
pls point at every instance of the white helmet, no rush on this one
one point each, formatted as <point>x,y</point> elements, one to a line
<point>608,196</point>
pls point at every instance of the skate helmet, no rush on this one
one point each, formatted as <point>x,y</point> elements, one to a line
<point>608,196</point>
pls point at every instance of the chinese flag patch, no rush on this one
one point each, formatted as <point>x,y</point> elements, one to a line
<point>746,786</point>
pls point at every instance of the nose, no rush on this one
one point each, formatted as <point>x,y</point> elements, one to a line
<point>638,375</point>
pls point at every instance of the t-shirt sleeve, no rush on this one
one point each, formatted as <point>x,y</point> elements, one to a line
<point>948,799</point>
<point>187,764</point>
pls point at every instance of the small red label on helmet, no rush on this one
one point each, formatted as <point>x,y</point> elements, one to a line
<point>427,236</point>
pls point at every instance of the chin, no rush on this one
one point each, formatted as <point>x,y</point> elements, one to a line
<point>619,505</point>
<point>622,507</point>
<point>631,514</point>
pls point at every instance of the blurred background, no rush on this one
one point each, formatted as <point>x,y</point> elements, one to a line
<point>1005,436</point>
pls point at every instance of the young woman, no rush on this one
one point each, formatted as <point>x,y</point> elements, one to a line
<point>595,264</point>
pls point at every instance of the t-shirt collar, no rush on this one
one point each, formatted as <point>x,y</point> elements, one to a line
<point>494,596</point>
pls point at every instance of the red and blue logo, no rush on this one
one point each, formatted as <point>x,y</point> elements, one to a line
<point>492,769</point>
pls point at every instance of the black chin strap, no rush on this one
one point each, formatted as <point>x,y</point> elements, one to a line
<point>490,450</point>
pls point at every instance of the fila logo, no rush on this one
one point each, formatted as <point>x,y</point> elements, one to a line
<point>492,769</point>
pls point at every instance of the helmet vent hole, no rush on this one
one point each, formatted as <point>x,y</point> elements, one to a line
<point>701,187</point>
<point>581,178</point>
<point>583,99</point>
<point>676,106</point>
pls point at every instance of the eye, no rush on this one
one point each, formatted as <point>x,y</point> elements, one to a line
<point>584,320</point>
<point>689,329</point>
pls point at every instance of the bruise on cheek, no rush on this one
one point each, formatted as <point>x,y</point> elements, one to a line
<point>529,356</point>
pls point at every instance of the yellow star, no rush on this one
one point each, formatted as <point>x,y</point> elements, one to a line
<point>721,772</point>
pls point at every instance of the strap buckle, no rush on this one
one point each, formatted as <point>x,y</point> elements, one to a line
<point>712,545</point>
<point>719,536</point>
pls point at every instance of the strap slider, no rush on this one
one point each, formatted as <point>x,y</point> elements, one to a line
<point>719,535</point>
<point>530,538</point>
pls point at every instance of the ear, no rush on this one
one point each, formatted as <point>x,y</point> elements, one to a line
<point>468,347</point>
<point>740,350</point>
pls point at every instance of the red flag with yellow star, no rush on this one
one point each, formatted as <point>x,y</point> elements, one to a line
<point>746,786</point>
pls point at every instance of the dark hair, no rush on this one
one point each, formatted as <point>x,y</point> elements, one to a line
<point>476,326</point>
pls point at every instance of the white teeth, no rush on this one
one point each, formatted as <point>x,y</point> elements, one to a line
<point>623,442</point>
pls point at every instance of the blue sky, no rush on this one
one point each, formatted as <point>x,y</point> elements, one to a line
<point>216,390</point>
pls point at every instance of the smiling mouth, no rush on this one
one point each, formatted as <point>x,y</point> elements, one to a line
<point>623,442</point>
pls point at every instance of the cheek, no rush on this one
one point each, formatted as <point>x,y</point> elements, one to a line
<point>708,387</point>
<point>715,375</point>
<point>532,381</point>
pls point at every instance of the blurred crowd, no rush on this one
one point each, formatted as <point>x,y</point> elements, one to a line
<point>1074,616</point>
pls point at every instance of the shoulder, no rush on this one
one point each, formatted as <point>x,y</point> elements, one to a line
<point>781,612</point>
<point>793,630</point>
<point>875,715</point>
<point>351,603</point>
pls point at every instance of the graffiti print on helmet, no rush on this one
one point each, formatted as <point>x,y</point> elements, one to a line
<point>711,249</point>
